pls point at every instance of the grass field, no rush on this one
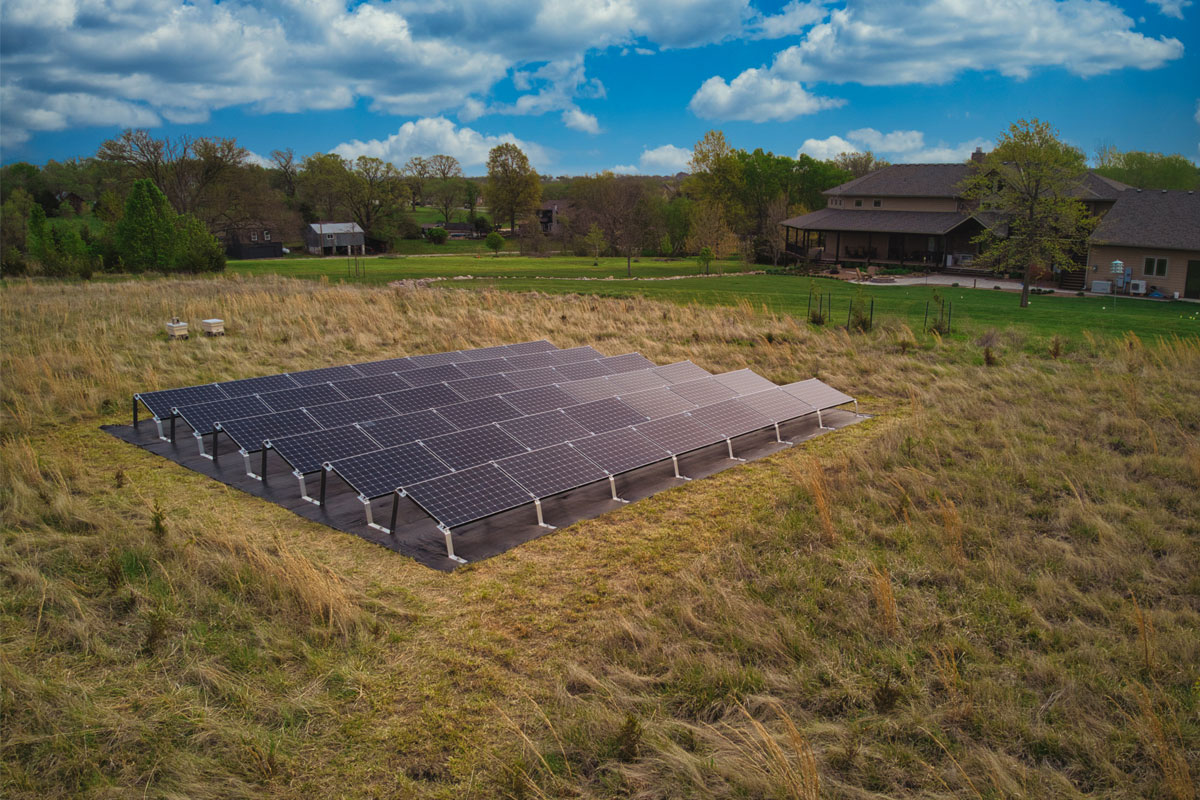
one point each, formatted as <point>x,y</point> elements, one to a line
<point>989,590</point>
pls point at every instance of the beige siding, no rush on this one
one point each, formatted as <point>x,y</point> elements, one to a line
<point>1100,258</point>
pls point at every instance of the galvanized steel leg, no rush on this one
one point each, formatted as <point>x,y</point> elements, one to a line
<point>675,461</point>
<point>172,428</point>
<point>214,446</point>
<point>729,444</point>
<point>303,488</point>
<point>779,438</point>
<point>200,445</point>
<point>821,422</point>
<point>371,517</point>
<point>395,510</point>
<point>324,473</point>
<point>263,473</point>
<point>135,417</point>
<point>249,470</point>
<point>612,482</point>
<point>537,504</point>
<point>450,546</point>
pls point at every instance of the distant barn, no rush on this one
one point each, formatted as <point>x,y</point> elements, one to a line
<point>335,238</point>
<point>253,243</point>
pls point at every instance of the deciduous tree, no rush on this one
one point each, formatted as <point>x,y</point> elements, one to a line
<point>513,188</point>
<point>145,235</point>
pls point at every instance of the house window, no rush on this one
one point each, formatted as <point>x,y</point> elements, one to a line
<point>858,203</point>
<point>266,236</point>
<point>254,236</point>
<point>877,203</point>
<point>329,237</point>
<point>1156,267</point>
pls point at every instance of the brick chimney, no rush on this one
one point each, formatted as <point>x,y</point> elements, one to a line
<point>978,155</point>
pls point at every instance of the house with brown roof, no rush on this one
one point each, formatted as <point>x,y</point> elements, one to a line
<point>1156,236</point>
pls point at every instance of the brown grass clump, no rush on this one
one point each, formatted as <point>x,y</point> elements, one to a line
<point>885,600</point>
<point>952,531</point>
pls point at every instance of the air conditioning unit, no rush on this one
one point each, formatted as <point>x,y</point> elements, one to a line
<point>1137,287</point>
<point>1102,287</point>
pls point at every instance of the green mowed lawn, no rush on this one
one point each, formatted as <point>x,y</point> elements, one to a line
<point>973,310</point>
<point>385,269</point>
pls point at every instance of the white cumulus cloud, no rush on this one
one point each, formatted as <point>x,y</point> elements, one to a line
<point>666,159</point>
<point>431,135</point>
<point>757,96</point>
<point>903,147</point>
<point>1172,8</point>
<point>825,149</point>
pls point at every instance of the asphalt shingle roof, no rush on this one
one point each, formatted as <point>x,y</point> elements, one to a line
<point>1167,219</point>
<point>840,219</point>
<point>942,180</point>
<point>336,227</point>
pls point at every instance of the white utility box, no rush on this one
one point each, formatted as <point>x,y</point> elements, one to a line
<point>1102,287</point>
<point>213,327</point>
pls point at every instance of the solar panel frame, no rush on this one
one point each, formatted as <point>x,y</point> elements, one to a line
<point>348,412</point>
<point>427,376</point>
<point>380,472</point>
<point>426,360</point>
<point>703,391</point>
<point>730,418</point>
<point>530,361</point>
<point>539,399</point>
<point>529,378</point>
<point>382,383</point>
<point>480,411</point>
<point>626,382</point>
<point>656,403</point>
<point>470,495</point>
<point>679,433</point>
<point>161,401</point>
<point>202,416</point>
<point>585,391</point>
<point>580,370</point>
<point>573,354</point>
<point>306,452</point>
<point>249,433</point>
<point>309,377</point>
<point>608,414</point>
<point>482,386</point>
<point>552,470</point>
<point>681,371</point>
<point>627,362</point>
<point>817,393</point>
<point>384,366</point>
<point>315,395</point>
<point>535,346</point>
<point>492,366</point>
<point>744,381</point>
<point>482,353</point>
<point>544,429</point>
<point>405,428</point>
<point>420,398</point>
<point>621,450</point>
<point>777,404</point>
<point>468,448</point>
<point>245,387</point>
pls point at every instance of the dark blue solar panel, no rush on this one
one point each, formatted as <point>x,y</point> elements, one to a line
<point>303,396</point>
<point>538,399</point>
<point>620,450</point>
<point>678,434</point>
<point>573,354</point>
<point>372,384</point>
<point>331,415</point>
<point>604,415</point>
<point>656,403</point>
<point>306,452</point>
<point>471,413</point>
<point>202,415</point>
<point>381,472</point>
<point>542,430</point>
<point>462,497</point>
<point>627,362</point>
<point>580,370</point>
<point>703,391</point>
<point>681,371</point>
<point>161,402</point>
<point>590,389</point>
<point>430,375</point>
<point>391,431</point>
<point>325,375</point>
<point>482,386</point>
<point>551,470</point>
<point>463,449</point>
<point>817,394</point>
<point>250,432</point>
<point>531,361</point>
<point>422,398</point>
<point>493,366</point>
<point>432,359</point>
<point>524,348</point>
<point>744,381</point>
<point>249,386</point>
<point>730,418</point>
<point>636,381</point>
<point>528,378</point>
<point>482,354</point>
<point>777,405</point>
<point>381,367</point>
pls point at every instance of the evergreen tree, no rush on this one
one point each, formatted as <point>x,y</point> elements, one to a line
<point>196,250</point>
<point>145,236</point>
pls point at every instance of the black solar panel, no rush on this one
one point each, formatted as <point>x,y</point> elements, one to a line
<point>551,470</point>
<point>573,354</point>
<point>288,399</point>
<point>588,390</point>
<point>703,391</point>
<point>620,450</point>
<point>325,375</point>
<point>777,405</point>
<point>627,362</point>
<point>202,415</point>
<point>306,452</point>
<point>430,375</point>
<point>524,348</point>
<point>249,386</point>
<point>433,359</point>
<point>381,367</point>
<point>528,378</point>
<point>391,431</point>
<point>817,394</point>
<point>744,381</point>
<point>579,370</point>
<point>542,430</point>
<point>604,415</point>
<point>482,353</point>
<point>481,411</point>
<point>656,403</point>
<point>462,497</point>
<point>381,472</point>
<point>161,402</point>
<point>539,399</point>
<point>331,415</point>
<point>531,361</point>
<point>483,386</point>
<point>678,434</point>
<point>681,371</point>
<point>463,449</point>
<point>491,366</point>
<point>422,398</point>
<point>730,418</point>
<point>372,384</point>
<point>249,432</point>
<point>636,381</point>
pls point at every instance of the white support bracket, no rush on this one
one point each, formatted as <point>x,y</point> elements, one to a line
<point>780,438</point>
<point>161,435</point>
<point>537,504</point>
<point>304,489</point>
<point>856,409</point>
<point>450,546</point>
<point>249,469</point>
<point>729,444</point>
<point>612,482</point>
<point>821,422</point>
<point>675,461</point>
<point>200,445</point>
<point>371,523</point>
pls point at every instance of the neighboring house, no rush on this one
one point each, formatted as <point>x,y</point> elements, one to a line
<point>335,238</point>
<point>909,214</point>
<point>76,202</point>
<point>552,216</point>
<point>1156,235</point>
<point>258,242</point>
<point>457,230</point>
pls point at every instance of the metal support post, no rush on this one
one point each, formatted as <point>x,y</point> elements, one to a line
<point>161,435</point>
<point>612,482</point>
<point>395,509</point>
<point>821,422</point>
<point>135,418</point>
<point>537,504</point>
<point>172,428</point>
<point>779,438</point>
<point>303,488</point>
<point>263,473</point>
<point>675,461</point>
<point>371,516</point>
<point>729,444</point>
<point>450,546</point>
<point>324,474</point>
<point>856,409</point>
<point>214,445</point>
<point>200,445</point>
<point>249,470</point>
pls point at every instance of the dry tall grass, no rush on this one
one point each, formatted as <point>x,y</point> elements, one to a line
<point>165,636</point>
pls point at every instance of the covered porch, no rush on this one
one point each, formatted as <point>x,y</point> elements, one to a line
<point>933,240</point>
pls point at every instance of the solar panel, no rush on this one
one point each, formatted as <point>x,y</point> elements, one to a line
<point>381,367</point>
<point>288,399</point>
<point>777,405</point>
<point>433,359</point>
<point>817,394</point>
<point>573,354</point>
<point>589,390</point>
<point>528,378</point>
<point>249,432</point>
<point>678,434</point>
<point>604,415</point>
<point>681,371</point>
<point>578,370</point>
<point>539,399</point>
<point>620,450</point>
<point>744,381</point>
<point>161,402</point>
<point>627,362</point>
<point>421,398</point>
<point>656,403</point>
<point>482,353</point>
<point>202,415</point>
<point>491,366</point>
<point>730,418</point>
<point>480,411</point>
<point>703,391</point>
<point>542,430</point>
<point>524,348</point>
<point>249,386</point>
<point>551,470</point>
<point>463,449</point>
<point>331,415</point>
<point>381,472</point>
<point>531,361</point>
<point>427,376</point>
<point>635,381</point>
<point>462,497</point>
<point>391,431</point>
<point>372,384</point>
<point>325,375</point>
<point>483,386</point>
<point>306,452</point>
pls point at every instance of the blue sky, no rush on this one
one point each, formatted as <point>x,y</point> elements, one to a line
<point>589,85</point>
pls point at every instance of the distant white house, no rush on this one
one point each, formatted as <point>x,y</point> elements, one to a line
<point>335,238</point>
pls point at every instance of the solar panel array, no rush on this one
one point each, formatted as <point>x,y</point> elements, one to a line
<point>470,433</point>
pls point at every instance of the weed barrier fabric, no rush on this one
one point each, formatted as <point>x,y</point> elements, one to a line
<point>416,535</point>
